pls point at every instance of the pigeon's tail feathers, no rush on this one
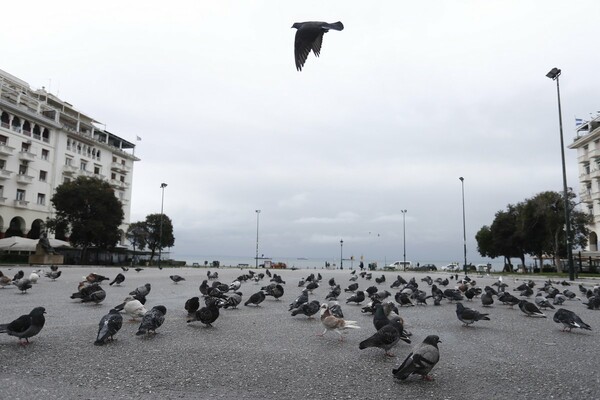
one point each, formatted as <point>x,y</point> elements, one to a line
<point>351,325</point>
<point>406,369</point>
<point>99,342</point>
<point>338,26</point>
<point>370,342</point>
<point>295,312</point>
<point>484,317</point>
<point>141,332</point>
<point>3,328</point>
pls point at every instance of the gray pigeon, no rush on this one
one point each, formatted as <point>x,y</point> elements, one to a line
<point>530,309</point>
<point>421,361</point>
<point>142,290</point>
<point>468,315</point>
<point>152,320</point>
<point>255,299</point>
<point>309,36</point>
<point>109,325</point>
<point>26,326</point>
<point>570,320</point>
<point>308,309</point>
<point>385,338</point>
<point>176,278</point>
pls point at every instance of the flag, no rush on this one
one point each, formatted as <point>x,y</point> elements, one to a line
<point>578,121</point>
<point>138,138</point>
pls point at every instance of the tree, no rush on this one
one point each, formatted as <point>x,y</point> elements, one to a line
<point>89,210</point>
<point>155,240</point>
<point>137,234</point>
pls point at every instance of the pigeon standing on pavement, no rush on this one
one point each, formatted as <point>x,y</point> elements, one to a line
<point>468,315</point>
<point>54,275</point>
<point>26,326</point>
<point>192,305</point>
<point>570,320</point>
<point>332,323</point>
<point>141,290</point>
<point>421,361</point>
<point>23,284</point>
<point>255,299</point>
<point>134,308</point>
<point>309,36</point>
<point>308,309</point>
<point>120,278</point>
<point>177,278</point>
<point>530,309</point>
<point>207,315</point>
<point>109,325</point>
<point>152,320</point>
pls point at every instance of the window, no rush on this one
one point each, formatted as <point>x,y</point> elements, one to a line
<point>2,164</point>
<point>1,192</point>
<point>3,140</point>
<point>25,147</point>
<point>43,175</point>
<point>20,195</point>
<point>66,180</point>
<point>114,159</point>
<point>68,161</point>
<point>23,169</point>
<point>83,166</point>
<point>97,170</point>
<point>45,154</point>
<point>122,179</point>
<point>41,199</point>
<point>113,176</point>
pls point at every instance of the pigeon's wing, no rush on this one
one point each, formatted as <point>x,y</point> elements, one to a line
<point>426,357</point>
<point>20,324</point>
<point>316,44</point>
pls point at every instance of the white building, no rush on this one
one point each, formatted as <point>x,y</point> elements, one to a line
<point>587,144</point>
<point>45,141</point>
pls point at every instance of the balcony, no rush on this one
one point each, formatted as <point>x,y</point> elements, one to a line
<point>21,203</point>
<point>585,177</point>
<point>26,155</point>
<point>585,196</point>
<point>6,150</point>
<point>69,170</point>
<point>5,174</point>
<point>117,184</point>
<point>25,179</point>
<point>115,166</point>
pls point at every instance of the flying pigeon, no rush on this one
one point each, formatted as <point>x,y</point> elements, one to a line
<point>309,36</point>
<point>421,361</point>
<point>177,278</point>
<point>120,278</point>
<point>530,309</point>
<point>468,315</point>
<point>570,320</point>
<point>152,320</point>
<point>332,323</point>
<point>26,326</point>
<point>255,299</point>
<point>109,325</point>
<point>207,315</point>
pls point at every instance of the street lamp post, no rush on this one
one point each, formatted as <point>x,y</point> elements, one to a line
<point>554,74</point>
<point>462,183</point>
<point>162,202</point>
<point>404,238</point>
<point>341,254</point>
<point>257,218</point>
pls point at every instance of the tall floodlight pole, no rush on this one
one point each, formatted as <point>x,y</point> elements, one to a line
<point>404,238</point>
<point>554,74</point>
<point>462,183</point>
<point>257,219</point>
<point>162,202</point>
<point>341,254</point>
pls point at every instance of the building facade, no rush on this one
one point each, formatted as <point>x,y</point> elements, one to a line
<point>587,144</point>
<point>44,142</point>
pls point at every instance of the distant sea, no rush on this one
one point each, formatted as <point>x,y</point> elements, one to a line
<point>312,263</point>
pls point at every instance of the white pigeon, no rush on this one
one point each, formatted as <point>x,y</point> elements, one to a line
<point>332,323</point>
<point>134,308</point>
<point>33,277</point>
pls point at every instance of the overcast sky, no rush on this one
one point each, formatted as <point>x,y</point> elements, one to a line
<point>406,99</point>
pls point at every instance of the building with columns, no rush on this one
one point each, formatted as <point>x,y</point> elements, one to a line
<point>45,141</point>
<point>587,144</point>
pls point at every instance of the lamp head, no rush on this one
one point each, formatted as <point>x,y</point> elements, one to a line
<point>554,73</point>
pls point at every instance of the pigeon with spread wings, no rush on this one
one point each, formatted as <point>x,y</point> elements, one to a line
<point>309,36</point>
